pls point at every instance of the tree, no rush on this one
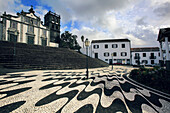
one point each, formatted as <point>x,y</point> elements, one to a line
<point>82,39</point>
<point>69,41</point>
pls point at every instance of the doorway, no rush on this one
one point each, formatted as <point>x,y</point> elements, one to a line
<point>95,55</point>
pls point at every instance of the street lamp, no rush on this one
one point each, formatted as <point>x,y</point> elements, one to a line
<point>112,61</point>
<point>87,43</point>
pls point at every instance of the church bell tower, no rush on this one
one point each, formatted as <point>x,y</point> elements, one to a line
<point>52,21</point>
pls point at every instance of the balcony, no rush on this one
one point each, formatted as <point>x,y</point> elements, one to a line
<point>152,57</point>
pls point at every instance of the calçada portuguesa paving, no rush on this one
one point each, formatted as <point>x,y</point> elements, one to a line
<point>68,91</point>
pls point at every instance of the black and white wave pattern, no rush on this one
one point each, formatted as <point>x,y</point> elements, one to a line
<point>67,92</point>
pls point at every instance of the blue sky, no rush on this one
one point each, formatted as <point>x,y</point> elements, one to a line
<point>137,20</point>
<point>29,2</point>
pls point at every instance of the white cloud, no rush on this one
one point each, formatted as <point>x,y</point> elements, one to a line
<point>158,2</point>
<point>9,6</point>
<point>147,34</point>
<point>60,8</point>
<point>40,11</point>
<point>138,20</point>
<point>85,10</point>
<point>141,21</point>
<point>134,40</point>
<point>91,34</point>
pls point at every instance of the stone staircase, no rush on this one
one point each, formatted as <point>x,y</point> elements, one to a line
<point>24,56</point>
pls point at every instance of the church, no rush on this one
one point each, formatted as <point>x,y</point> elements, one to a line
<point>28,28</point>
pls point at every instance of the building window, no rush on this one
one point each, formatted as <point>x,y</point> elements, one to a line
<point>30,29</point>
<point>106,59</point>
<point>128,61</point>
<point>144,61</point>
<point>95,46</point>
<point>12,38</point>
<point>106,54</point>
<point>136,61</point>
<point>44,41</point>
<point>106,45</point>
<point>110,61</point>
<point>123,45</point>
<point>13,24</point>
<point>152,54</point>
<point>152,62</point>
<point>119,61</point>
<point>136,54</point>
<point>26,19</point>
<point>53,26</point>
<point>114,45</point>
<point>31,21</point>
<point>35,22</point>
<point>30,40</point>
<point>144,54</point>
<point>123,54</point>
<point>159,54</point>
<point>114,54</point>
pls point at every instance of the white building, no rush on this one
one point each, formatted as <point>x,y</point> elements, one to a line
<point>145,56</point>
<point>26,27</point>
<point>116,51</point>
<point>164,38</point>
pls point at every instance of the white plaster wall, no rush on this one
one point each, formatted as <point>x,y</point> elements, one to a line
<point>101,50</point>
<point>36,36</point>
<point>25,27</point>
<point>37,40</point>
<point>18,29</point>
<point>18,26</point>
<point>40,37</point>
<point>156,61</point>
<point>51,44</point>
<point>7,26</point>
<point>31,15</point>
<point>48,38</point>
<point>16,19</point>
<point>42,26</point>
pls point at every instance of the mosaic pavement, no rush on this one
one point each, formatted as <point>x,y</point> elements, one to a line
<point>58,91</point>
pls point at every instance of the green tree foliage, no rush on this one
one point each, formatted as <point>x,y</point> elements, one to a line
<point>68,40</point>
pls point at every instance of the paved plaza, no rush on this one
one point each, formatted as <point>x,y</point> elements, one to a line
<point>68,91</point>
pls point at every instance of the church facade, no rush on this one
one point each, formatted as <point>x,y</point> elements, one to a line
<point>28,28</point>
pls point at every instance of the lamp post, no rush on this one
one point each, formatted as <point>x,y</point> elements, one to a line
<point>87,43</point>
<point>112,61</point>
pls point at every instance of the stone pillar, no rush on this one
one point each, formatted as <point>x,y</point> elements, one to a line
<point>167,54</point>
<point>21,29</point>
<point>39,33</point>
<point>161,55</point>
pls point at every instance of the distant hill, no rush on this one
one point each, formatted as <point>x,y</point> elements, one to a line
<point>24,56</point>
